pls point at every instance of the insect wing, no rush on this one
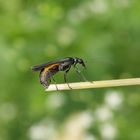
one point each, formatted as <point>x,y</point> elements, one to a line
<point>45,65</point>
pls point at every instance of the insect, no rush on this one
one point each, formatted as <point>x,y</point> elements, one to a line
<point>49,69</point>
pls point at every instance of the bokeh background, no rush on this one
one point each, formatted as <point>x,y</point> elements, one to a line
<point>105,33</point>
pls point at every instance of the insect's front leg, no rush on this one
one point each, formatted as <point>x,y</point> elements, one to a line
<point>81,76</point>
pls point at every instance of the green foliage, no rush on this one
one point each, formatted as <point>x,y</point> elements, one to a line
<point>102,32</point>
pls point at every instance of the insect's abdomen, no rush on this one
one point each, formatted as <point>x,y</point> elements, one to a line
<point>46,74</point>
<point>45,79</point>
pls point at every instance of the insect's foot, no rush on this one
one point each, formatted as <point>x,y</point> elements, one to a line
<point>69,86</point>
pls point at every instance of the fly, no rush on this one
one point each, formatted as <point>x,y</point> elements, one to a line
<point>48,70</point>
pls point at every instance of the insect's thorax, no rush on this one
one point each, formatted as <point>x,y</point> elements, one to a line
<point>66,64</point>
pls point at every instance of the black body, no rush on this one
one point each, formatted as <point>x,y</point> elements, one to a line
<point>47,70</point>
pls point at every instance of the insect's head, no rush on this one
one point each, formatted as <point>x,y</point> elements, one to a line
<point>80,61</point>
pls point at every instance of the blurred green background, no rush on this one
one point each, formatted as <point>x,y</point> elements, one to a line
<point>105,33</point>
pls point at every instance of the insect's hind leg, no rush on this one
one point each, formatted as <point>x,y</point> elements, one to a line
<point>53,80</point>
<point>45,83</point>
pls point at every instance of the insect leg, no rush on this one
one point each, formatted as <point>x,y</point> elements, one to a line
<point>65,77</point>
<point>45,83</point>
<point>50,75</point>
<point>81,76</point>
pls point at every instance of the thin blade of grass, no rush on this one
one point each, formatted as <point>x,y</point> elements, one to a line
<point>96,84</point>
